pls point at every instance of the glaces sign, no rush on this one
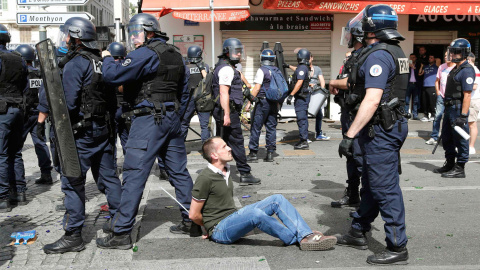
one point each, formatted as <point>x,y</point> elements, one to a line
<point>282,22</point>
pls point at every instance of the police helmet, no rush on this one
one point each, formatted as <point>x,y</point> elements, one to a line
<point>4,35</point>
<point>78,28</point>
<point>27,52</point>
<point>458,50</point>
<point>117,49</point>
<point>194,54</point>
<point>233,49</point>
<point>267,58</point>
<point>138,25</point>
<point>303,56</point>
<point>382,20</point>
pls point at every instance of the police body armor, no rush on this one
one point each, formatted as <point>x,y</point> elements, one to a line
<point>162,86</point>
<point>267,78</point>
<point>341,98</point>
<point>397,85</point>
<point>195,76</point>
<point>304,91</point>
<point>34,83</point>
<point>12,79</point>
<point>453,89</point>
<point>236,93</point>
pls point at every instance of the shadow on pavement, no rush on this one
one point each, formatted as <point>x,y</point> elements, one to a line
<point>424,165</point>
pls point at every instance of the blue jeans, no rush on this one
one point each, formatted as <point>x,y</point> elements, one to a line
<point>259,215</point>
<point>318,122</point>
<point>414,91</point>
<point>439,109</point>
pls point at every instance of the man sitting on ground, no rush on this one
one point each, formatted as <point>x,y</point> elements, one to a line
<point>213,207</point>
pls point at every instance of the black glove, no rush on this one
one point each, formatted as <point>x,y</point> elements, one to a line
<point>461,120</point>
<point>41,131</point>
<point>285,65</point>
<point>289,100</point>
<point>346,147</point>
<point>201,66</point>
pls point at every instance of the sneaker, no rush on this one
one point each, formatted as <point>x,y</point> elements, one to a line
<point>318,242</point>
<point>432,141</point>
<point>431,119</point>
<point>472,151</point>
<point>309,141</point>
<point>322,137</point>
<point>424,119</point>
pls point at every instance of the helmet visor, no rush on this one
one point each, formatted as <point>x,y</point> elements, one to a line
<point>346,36</point>
<point>456,54</point>
<point>136,36</point>
<point>236,53</point>
<point>63,38</point>
<point>358,19</point>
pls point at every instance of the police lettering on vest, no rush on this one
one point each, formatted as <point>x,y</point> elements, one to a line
<point>34,82</point>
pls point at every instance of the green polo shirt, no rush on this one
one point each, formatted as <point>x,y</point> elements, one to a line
<point>212,188</point>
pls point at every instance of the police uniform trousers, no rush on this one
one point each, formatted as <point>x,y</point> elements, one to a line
<point>55,160</point>
<point>301,110</point>
<point>233,136</point>
<point>381,191</point>
<point>451,139</point>
<point>121,127</point>
<point>147,140</point>
<point>354,163</point>
<point>95,152</point>
<point>11,125</point>
<point>265,113</point>
<point>41,148</point>
<point>203,117</point>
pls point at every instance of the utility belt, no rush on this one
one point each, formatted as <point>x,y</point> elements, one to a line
<point>302,93</point>
<point>88,120</point>
<point>158,112</point>
<point>387,115</point>
<point>6,102</point>
<point>234,107</point>
<point>453,102</point>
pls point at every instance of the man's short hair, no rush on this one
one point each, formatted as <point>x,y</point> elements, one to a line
<point>208,148</point>
<point>413,54</point>
<point>471,57</point>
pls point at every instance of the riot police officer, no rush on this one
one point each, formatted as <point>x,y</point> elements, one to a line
<point>30,120</point>
<point>382,78</point>
<point>265,111</point>
<point>352,36</point>
<point>154,80</point>
<point>302,95</point>
<point>458,92</point>
<point>198,71</point>
<point>13,80</point>
<point>86,96</point>
<point>227,90</point>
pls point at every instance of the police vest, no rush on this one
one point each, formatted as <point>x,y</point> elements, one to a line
<point>195,76</point>
<point>236,93</point>
<point>266,81</point>
<point>93,95</point>
<point>163,86</point>
<point>305,84</point>
<point>34,83</point>
<point>397,86</point>
<point>453,89</point>
<point>12,77</point>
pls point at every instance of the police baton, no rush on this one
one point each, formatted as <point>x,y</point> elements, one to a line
<point>436,145</point>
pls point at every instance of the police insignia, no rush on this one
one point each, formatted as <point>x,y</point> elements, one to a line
<point>301,73</point>
<point>469,80</point>
<point>375,70</point>
<point>127,62</point>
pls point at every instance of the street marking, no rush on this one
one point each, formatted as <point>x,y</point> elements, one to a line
<point>298,153</point>
<point>317,190</point>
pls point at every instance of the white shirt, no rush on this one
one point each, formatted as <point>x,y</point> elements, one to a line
<point>259,76</point>
<point>217,170</point>
<point>225,75</point>
<point>476,93</point>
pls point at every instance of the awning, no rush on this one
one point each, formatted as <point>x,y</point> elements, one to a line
<point>427,7</point>
<point>199,10</point>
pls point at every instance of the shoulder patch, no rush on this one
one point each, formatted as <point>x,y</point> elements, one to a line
<point>403,65</point>
<point>127,62</point>
<point>469,80</point>
<point>301,73</point>
<point>375,70</point>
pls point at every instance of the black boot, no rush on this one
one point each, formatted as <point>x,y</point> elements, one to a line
<point>68,243</point>
<point>390,256</point>
<point>301,145</point>
<point>107,226</point>
<point>18,198</point>
<point>350,198</point>
<point>456,172</point>
<point>252,157</point>
<point>163,174</point>
<point>269,157</point>
<point>5,205</point>
<point>115,241</point>
<point>447,166</point>
<point>181,228</point>
<point>354,238</point>
<point>248,179</point>
<point>45,179</point>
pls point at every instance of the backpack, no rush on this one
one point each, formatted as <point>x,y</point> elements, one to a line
<point>278,89</point>
<point>203,94</point>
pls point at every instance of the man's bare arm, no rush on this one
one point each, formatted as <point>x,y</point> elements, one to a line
<point>297,87</point>
<point>195,213</point>
<point>225,103</point>
<point>467,95</point>
<point>367,108</point>
<point>42,116</point>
